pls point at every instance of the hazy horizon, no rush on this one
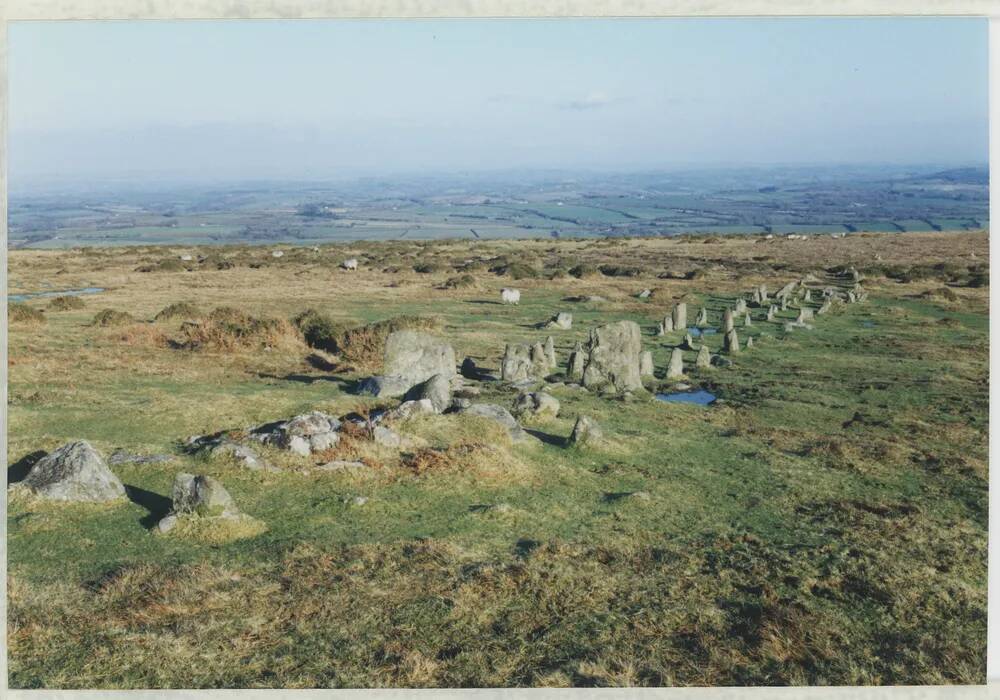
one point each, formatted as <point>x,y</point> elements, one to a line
<point>327,100</point>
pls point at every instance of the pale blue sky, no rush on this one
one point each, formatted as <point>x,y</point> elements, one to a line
<point>328,98</point>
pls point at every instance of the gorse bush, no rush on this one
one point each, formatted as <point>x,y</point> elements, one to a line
<point>460,282</point>
<point>230,330</point>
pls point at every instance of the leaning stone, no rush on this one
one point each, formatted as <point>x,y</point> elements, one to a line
<point>688,343</point>
<point>74,472</point>
<point>586,431</point>
<point>613,357</point>
<point>676,368</point>
<point>824,308</point>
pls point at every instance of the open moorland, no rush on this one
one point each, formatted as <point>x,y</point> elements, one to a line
<point>823,521</point>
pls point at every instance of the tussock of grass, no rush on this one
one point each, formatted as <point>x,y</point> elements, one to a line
<point>22,313</point>
<point>141,335</point>
<point>217,530</point>
<point>67,302</point>
<point>107,318</point>
<point>181,309</point>
<point>361,346</point>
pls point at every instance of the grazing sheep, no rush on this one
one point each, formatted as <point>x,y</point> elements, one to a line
<point>351,264</point>
<point>510,296</point>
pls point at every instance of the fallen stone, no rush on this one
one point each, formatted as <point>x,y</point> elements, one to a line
<point>74,472</point>
<point>644,294</point>
<point>341,465</point>
<point>123,457</point>
<point>241,454</point>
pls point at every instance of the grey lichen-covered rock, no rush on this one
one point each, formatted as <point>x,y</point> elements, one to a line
<point>675,370</point>
<point>550,352</point>
<point>613,357</point>
<point>386,437</point>
<point>646,364</point>
<point>704,359</point>
<point>203,496</point>
<point>586,431</point>
<point>437,390</point>
<point>644,294</point>
<point>576,362</point>
<point>727,321</point>
<point>416,357</point>
<point>241,454</point>
<point>74,472</point>
<point>522,362</point>
<point>702,320</point>
<point>536,403</point>
<point>302,434</point>
<point>384,386</point>
<point>562,321</point>
<point>678,316</point>
<point>500,415</point>
<point>731,343</point>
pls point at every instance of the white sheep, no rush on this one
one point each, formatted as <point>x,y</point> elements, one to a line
<point>510,296</point>
<point>351,264</point>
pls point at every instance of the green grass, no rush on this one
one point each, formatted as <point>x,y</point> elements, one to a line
<point>812,527</point>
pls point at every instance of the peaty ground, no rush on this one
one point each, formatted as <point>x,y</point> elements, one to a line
<point>824,523</point>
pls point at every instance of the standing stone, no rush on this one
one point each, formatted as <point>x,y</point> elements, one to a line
<point>646,364</point>
<point>762,290</point>
<point>416,357</point>
<point>784,303</point>
<point>757,299</point>
<point>613,356</point>
<point>522,362</point>
<point>668,324</point>
<point>688,343</point>
<point>727,321</point>
<point>702,318</point>
<point>575,364</point>
<point>770,312</point>
<point>804,316</point>
<point>824,308</point>
<point>550,352</point>
<point>585,432</point>
<point>731,343</point>
<point>749,343</point>
<point>660,330</point>
<point>741,306</point>
<point>676,368</point>
<point>704,358</point>
<point>807,296</point>
<point>74,472</point>
<point>747,322</point>
<point>679,316</point>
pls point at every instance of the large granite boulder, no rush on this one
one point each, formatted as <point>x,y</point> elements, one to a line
<point>415,357</point>
<point>74,472</point>
<point>613,357</point>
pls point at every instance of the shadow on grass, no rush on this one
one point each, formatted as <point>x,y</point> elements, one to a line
<point>156,505</point>
<point>19,469</point>
<point>310,379</point>
<point>547,438</point>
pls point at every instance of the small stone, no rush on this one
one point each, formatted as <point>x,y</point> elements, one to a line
<point>203,496</point>
<point>586,431</point>
<point>386,437</point>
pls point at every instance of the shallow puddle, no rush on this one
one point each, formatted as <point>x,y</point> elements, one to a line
<point>695,331</point>
<point>57,293</point>
<point>698,396</point>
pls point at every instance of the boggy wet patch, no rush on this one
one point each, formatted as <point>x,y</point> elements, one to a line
<point>697,396</point>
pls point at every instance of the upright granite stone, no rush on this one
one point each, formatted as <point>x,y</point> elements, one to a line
<point>676,368</point>
<point>646,364</point>
<point>540,360</point>
<point>727,321</point>
<point>704,359</point>
<point>747,321</point>
<point>613,357</point>
<point>702,320</point>
<point>668,324</point>
<point>522,362</point>
<point>203,496</point>
<point>550,352</point>
<point>576,362</point>
<point>731,343</point>
<point>679,316</point>
<point>74,472</point>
